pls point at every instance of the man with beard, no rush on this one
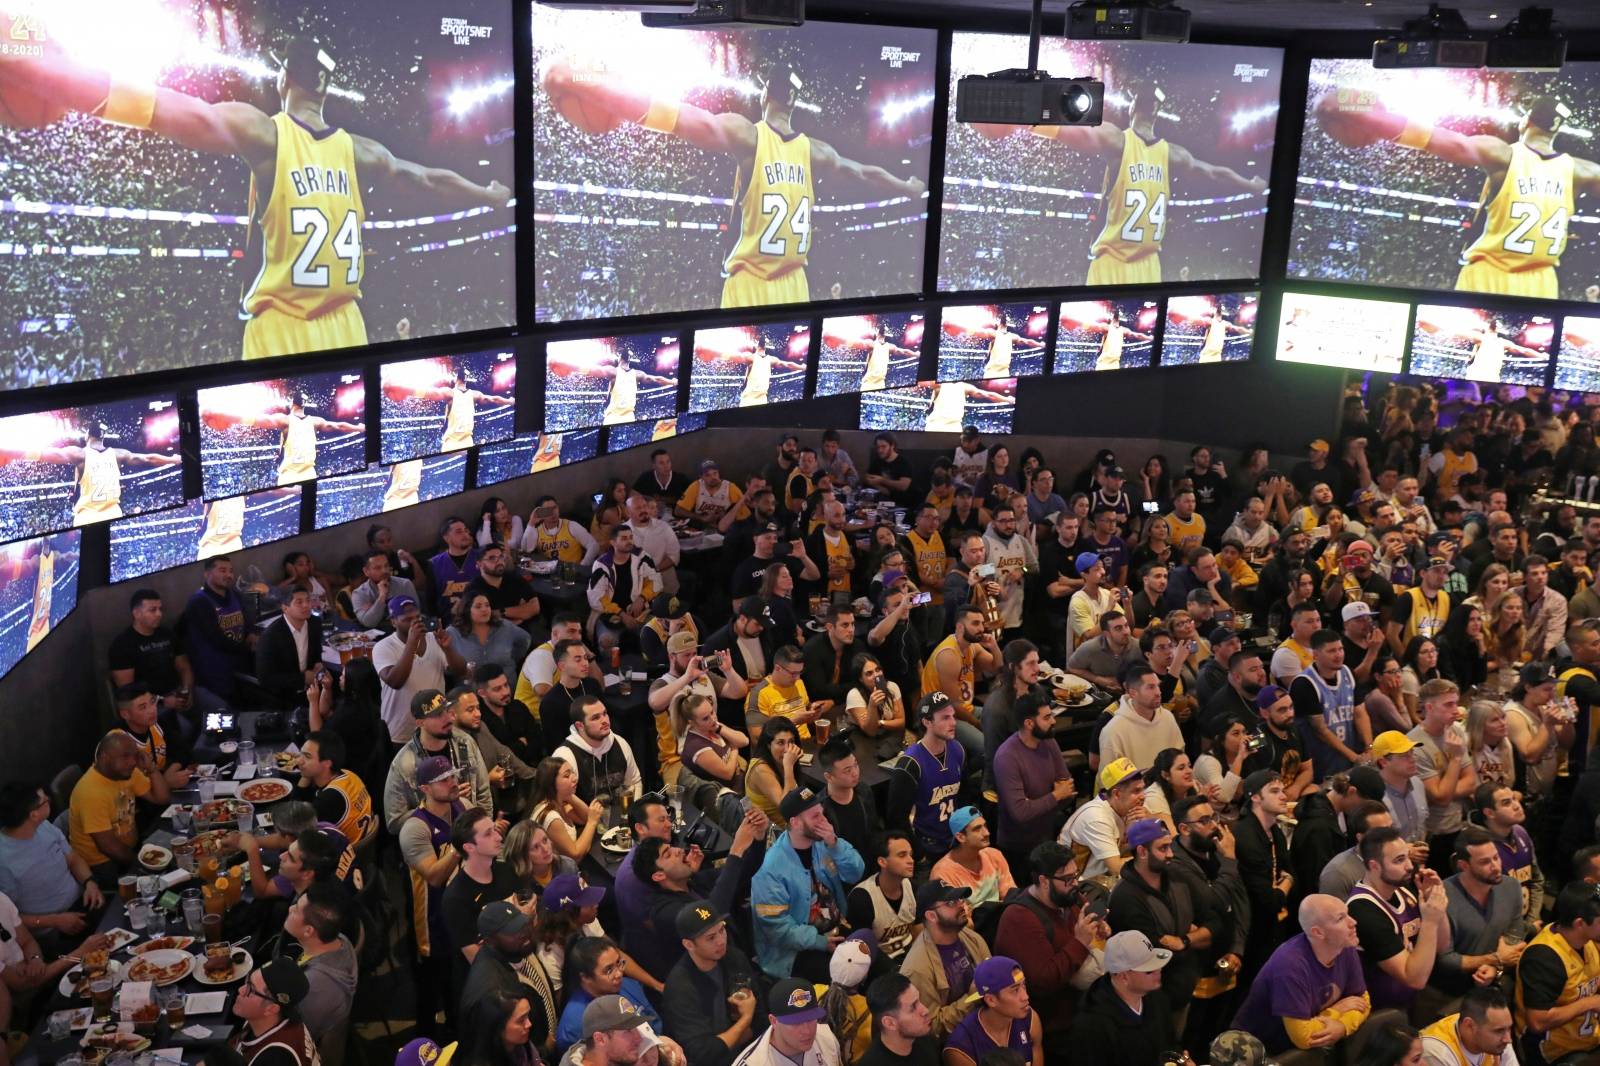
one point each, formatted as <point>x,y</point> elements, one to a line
<point>903,1026</point>
<point>1479,1033</point>
<point>1483,906</point>
<point>1045,928</point>
<point>507,591</point>
<point>1401,932</point>
<point>1212,677</point>
<point>507,717</point>
<point>604,762</point>
<point>1263,854</point>
<point>1282,750</point>
<point>1236,700</point>
<point>798,895</point>
<point>1100,660</point>
<point>1203,859</point>
<point>942,960</point>
<point>505,939</point>
<point>1500,808</point>
<point>1163,908</point>
<point>509,776</point>
<point>1275,576</point>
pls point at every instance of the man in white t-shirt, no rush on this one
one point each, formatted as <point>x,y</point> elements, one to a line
<point>412,658</point>
<point>1099,827</point>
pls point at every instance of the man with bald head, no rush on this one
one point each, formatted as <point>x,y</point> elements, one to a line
<point>102,814</point>
<point>1311,993</point>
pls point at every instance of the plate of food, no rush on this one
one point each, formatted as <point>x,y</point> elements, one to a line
<point>617,838</point>
<point>217,812</point>
<point>109,1036</point>
<point>78,1018</point>
<point>286,760</point>
<point>75,982</point>
<point>163,943</point>
<point>222,969</point>
<point>155,857</point>
<point>120,938</point>
<point>269,790</point>
<point>160,968</point>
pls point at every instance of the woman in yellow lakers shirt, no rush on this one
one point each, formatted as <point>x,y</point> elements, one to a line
<point>773,198</point>
<point>1137,188</point>
<point>1529,188</point>
<point>306,181</point>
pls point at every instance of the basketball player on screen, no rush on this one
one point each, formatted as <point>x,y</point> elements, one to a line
<point>461,410</point>
<point>222,532</point>
<point>1137,186</point>
<point>880,353</point>
<point>1002,343</point>
<point>1218,329</point>
<point>758,379</point>
<point>547,455</point>
<point>1489,351</point>
<point>772,212</point>
<point>1116,335</point>
<point>623,398</point>
<point>44,592</point>
<point>297,443</point>
<point>306,181</point>
<point>97,471</point>
<point>405,485</point>
<point>947,413</point>
<point>1529,187</point>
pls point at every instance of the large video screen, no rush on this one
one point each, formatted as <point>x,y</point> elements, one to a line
<point>872,351</point>
<point>1496,347</point>
<point>1578,364</point>
<point>445,403</point>
<point>388,488</point>
<point>943,406</point>
<point>78,465</point>
<point>1171,187</point>
<point>1105,335</point>
<point>310,177</point>
<point>202,528</point>
<point>533,453</point>
<point>1209,329</point>
<point>38,588</point>
<point>992,341</point>
<point>1342,332</point>
<point>281,432</point>
<point>1448,179</point>
<point>621,438</point>
<point>608,381</point>
<point>747,366</point>
<point>678,170</point>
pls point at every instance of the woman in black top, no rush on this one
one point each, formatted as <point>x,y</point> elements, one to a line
<point>1463,655</point>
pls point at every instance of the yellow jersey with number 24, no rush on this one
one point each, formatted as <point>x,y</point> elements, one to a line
<point>1136,202</point>
<point>774,207</point>
<point>1525,222</point>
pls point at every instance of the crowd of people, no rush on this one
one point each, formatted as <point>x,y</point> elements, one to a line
<point>1201,764</point>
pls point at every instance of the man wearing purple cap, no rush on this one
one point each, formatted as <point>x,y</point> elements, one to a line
<point>1166,910</point>
<point>432,861</point>
<point>1281,747</point>
<point>1003,1019</point>
<point>409,660</point>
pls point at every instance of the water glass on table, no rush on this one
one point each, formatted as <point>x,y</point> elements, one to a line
<point>247,758</point>
<point>139,915</point>
<point>194,911</point>
<point>207,788</point>
<point>246,815</point>
<point>182,818</point>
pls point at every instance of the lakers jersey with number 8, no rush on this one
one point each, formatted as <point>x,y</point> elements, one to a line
<point>775,208</point>
<point>310,227</point>
<point>1524,228</point>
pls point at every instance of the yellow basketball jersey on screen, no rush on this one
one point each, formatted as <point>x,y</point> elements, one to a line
<point>1524,226</point>
<point>44,588</point>
<point>99,487</point>
<point>1136,203</point>
<point>310,227</point>
<point>774,208</point>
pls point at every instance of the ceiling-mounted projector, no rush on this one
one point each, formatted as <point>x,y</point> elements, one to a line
<point>1026,97</point>
<point>1438,39</point>
<point>1130,20</point>
<point>1531,42</point>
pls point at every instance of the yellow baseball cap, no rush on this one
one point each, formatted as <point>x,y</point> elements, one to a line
<point>1116,772</point>
<point>1318,445</point>
<point>1392,742</point>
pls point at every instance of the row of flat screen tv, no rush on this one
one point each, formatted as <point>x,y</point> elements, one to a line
<point>1517,346</point>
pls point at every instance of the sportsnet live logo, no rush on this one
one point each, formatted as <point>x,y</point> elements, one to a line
<point>1247,73</point>
<point>898,57</point>
<point>461,31</point>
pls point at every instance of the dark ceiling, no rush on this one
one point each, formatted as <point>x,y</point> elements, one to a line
<point>1250,17</point>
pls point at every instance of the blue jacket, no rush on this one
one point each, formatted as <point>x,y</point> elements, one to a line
<point>570,1029</point>
<point>781,897</point>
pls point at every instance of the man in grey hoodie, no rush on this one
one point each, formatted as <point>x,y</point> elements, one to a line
<point>329,961</point>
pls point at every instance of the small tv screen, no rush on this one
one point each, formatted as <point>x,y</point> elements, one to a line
<point>533,452</point>
<point>379,488</point>
<point>76,466</point>
<point>609,381</point>
<point>1209,329</point>
<point>202,528</point>
<point>992,341</point>
<point>1578,364</point>
<point>1494,347</point>
<point>38,588</point>
<point>1105,335</point>
<point>281,431</point>
<point>447,403</point>
<point>871,351</point>
<point>621,438</point>
<point>942,407</point>
<point>747,366</point>
<point>1341,331</point>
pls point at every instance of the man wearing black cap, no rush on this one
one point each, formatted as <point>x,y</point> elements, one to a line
<point>1263,853</point>
<point>269,1005</point>
<point>668,872</point>
<point>772,546</point>
<point>924,781</point>
<point>942,960</point>
<point>794,1037</point>
<point>1212,677</point>
<point>507,591</point>
<point>747,638</point>
<point>799,893</point>
<point>711,997</point>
